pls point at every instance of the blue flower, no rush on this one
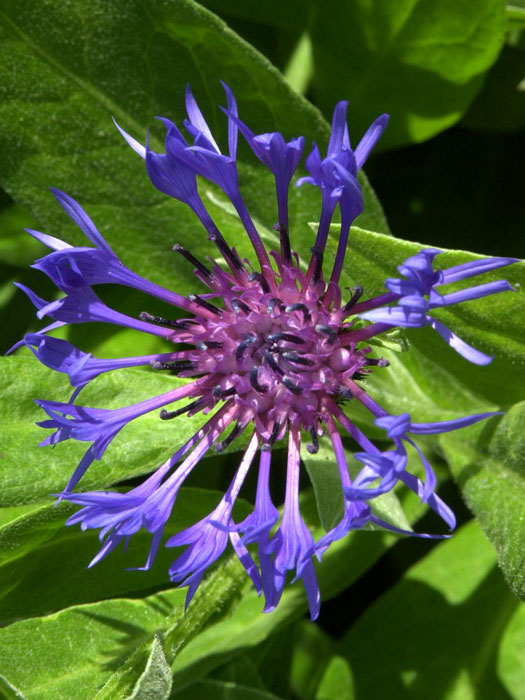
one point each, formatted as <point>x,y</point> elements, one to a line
<point>417,296</point>
<point>273,352</point>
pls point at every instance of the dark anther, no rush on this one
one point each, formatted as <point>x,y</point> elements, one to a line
<point>345,392</point>
<point>159,321</point>
<point>289,337</point>
<point>238,305</point>
<point>221,446</point>
<point>274,301</point>
<point>270,361</point>
<point>168,415</point>
<point>177,366</point>
<point>326,330</point>
<point>297,359</point>
<point>377,362</point>
<point>356,295</point>
<point>193,260</point>
<point>261,280</point>
<point>243,345</point>
<point>208,344</point>
<point>317,254</point>
<point>226,250</point>
<point>205,304</point>
<point>300,307</point>
<point>219,393</point>
<point>291,386</point>
<point>285,242</point>
<point>358,375</point>
<point>313,448</point>
<point>254,381</point>
<point>275,432</point>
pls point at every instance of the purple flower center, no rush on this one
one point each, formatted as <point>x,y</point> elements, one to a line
<point>275,343</point>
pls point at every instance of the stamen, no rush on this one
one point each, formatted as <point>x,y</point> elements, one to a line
<point>326,330</point>
<point>238,305</point>
<point>298,359</point>
<point>345,392</point>
<point>168,415</point>
<point>243,345</point>
<point>289,337</point>
<point>205,304</point>
<point>272,303</point>
<point>356,295</point>
<point>261,280</point>
<point>377,362</point>
<point>193,260</point>
<point>177,366</point>
<point>291,386</point>
<point>254,381</point>
<point>275,432</point>
<point>286,251</point>
<point>221,446</point>
<point>270,360</point>
<point>226,251</point>
<point>317,255</point>
<point>313,448</point>
<point>208,344</point>
<point>159,320</point>
<point>300,307</point>
<point>219,393</point>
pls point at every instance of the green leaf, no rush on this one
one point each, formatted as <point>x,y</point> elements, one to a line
<point>17,248</point>
<point>73,652</point>
<point>422,61</point>
<point>324,476</point>
<point>222,690</point>
<point>37,546</point>
<point>337,682</point>
<point>437,634</point>
<point>494,487</point>
<point>58,127</point>
<point>156,680</point>
<point>311,652</point>
<point>47,470</point>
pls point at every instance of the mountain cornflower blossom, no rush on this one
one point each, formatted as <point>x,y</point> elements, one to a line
<point>272,351</point>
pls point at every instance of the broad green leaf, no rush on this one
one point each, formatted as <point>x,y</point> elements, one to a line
<point>437,634</point>
<point>73,652</point>
<point>337,682</point>
<point>58,126</point>
<point>324,475</point>
<point>156,680</point>
<point>494,488</point>
<point>312,650</point>
<point>222,690</point>
<point>243,670</point>
<point>17,248</point>
<point>46,470</point>
<point>38,546</point>
<point>422,61</point>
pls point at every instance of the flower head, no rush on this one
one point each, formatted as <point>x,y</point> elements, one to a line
<point>273,352</point>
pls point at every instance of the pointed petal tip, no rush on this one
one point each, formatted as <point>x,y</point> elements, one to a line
<point>133,143</point>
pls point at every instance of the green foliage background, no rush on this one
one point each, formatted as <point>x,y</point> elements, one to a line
<point>401,618</point>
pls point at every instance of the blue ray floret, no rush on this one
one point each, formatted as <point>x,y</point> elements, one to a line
<point>273,352</point>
